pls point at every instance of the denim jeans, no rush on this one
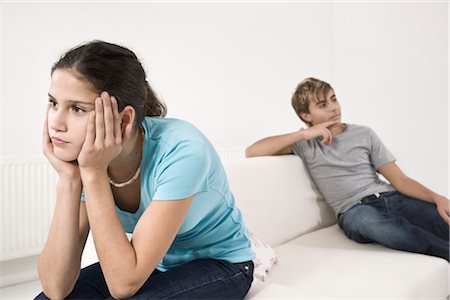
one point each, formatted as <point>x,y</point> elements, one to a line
<point>198,279</point>
<point>399,222</point>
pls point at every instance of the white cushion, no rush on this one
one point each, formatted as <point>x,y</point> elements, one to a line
<point>262,290</point>
<point>326,264</point>
<point>277,198</point>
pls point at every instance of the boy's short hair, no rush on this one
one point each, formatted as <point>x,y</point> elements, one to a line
<point>308,91</point>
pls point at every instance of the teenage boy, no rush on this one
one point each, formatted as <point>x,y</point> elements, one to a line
<point>343,160</point>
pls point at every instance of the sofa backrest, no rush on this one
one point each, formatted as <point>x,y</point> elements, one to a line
<point>277,198</point>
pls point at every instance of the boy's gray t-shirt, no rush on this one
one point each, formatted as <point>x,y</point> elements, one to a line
<point>345,170</point>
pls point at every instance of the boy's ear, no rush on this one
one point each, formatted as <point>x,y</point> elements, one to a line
<point>306,117</point>
<point>128,115</point>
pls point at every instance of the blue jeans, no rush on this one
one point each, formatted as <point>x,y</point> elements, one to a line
<point>398,222</point>
<point>198,279</point>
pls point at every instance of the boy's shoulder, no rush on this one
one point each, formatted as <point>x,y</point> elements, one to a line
<point>357,129</point>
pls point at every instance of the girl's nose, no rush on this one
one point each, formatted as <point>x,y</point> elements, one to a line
<point>58,122</point>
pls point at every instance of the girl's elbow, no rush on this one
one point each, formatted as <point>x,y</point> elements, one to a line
<point>124,287</point>
<point>54,291</point>
<point>57,288</point>
<point>123,291</point>
<point>54,295</point>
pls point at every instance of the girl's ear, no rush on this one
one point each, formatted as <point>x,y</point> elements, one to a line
<point>128,115</point>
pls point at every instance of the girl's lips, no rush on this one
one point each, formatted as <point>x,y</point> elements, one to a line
<point>58,141</point>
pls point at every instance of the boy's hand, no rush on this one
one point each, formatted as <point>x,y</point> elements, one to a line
<point>103,137</point>
<point>443,207</point>
<point>320,130</point>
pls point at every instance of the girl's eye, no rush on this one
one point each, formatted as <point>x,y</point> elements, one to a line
<point>78,109</point>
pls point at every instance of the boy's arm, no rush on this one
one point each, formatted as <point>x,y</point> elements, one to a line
<point>273,145</point>
<point>281,144</point>
<point>412,188</point>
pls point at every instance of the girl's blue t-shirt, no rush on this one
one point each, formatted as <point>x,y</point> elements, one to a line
<point>177,162</point>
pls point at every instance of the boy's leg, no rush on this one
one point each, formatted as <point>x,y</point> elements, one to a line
<point>420,213</point>
<point>200,279</point>
<point>90,285</point>
<point>372,222</point>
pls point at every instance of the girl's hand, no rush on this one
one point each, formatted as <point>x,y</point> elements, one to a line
<point>65,170</point>
<point>320,130</point>
<point>103,137</point>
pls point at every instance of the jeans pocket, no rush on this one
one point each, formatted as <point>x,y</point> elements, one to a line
<point>246,268</point>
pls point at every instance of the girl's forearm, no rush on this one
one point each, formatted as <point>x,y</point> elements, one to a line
<point>116,254</point>
<point>59,262</point>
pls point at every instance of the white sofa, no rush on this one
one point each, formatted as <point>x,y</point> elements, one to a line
<point>282,207</point>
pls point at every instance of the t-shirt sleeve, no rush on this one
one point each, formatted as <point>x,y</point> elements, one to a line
<point>297,147</point>
<point>183,171</point>
<point>379,154</point>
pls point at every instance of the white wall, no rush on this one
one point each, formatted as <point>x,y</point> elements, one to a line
<point>230,68</point>
<point>390,69</point>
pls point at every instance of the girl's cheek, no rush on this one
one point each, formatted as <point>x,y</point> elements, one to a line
<point>50,117</point>
<point>82,131</point>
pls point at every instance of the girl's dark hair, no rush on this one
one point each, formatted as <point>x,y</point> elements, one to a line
<point>117,70</point>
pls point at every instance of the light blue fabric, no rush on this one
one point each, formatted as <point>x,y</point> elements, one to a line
<point>178,161</point>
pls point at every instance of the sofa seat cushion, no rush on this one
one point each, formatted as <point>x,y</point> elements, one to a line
<point>272,290</point>
<point>326,264</point>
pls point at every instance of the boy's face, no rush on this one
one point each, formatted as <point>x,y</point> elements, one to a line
<point>327,108</point>
<point>71,100</point>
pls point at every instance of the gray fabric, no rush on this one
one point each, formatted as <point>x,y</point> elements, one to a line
<point>345,170</point>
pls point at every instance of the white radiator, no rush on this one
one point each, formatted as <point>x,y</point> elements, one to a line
<point>27,201</point>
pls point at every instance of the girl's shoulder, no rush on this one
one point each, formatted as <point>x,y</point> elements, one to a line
<point>170,130</point>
